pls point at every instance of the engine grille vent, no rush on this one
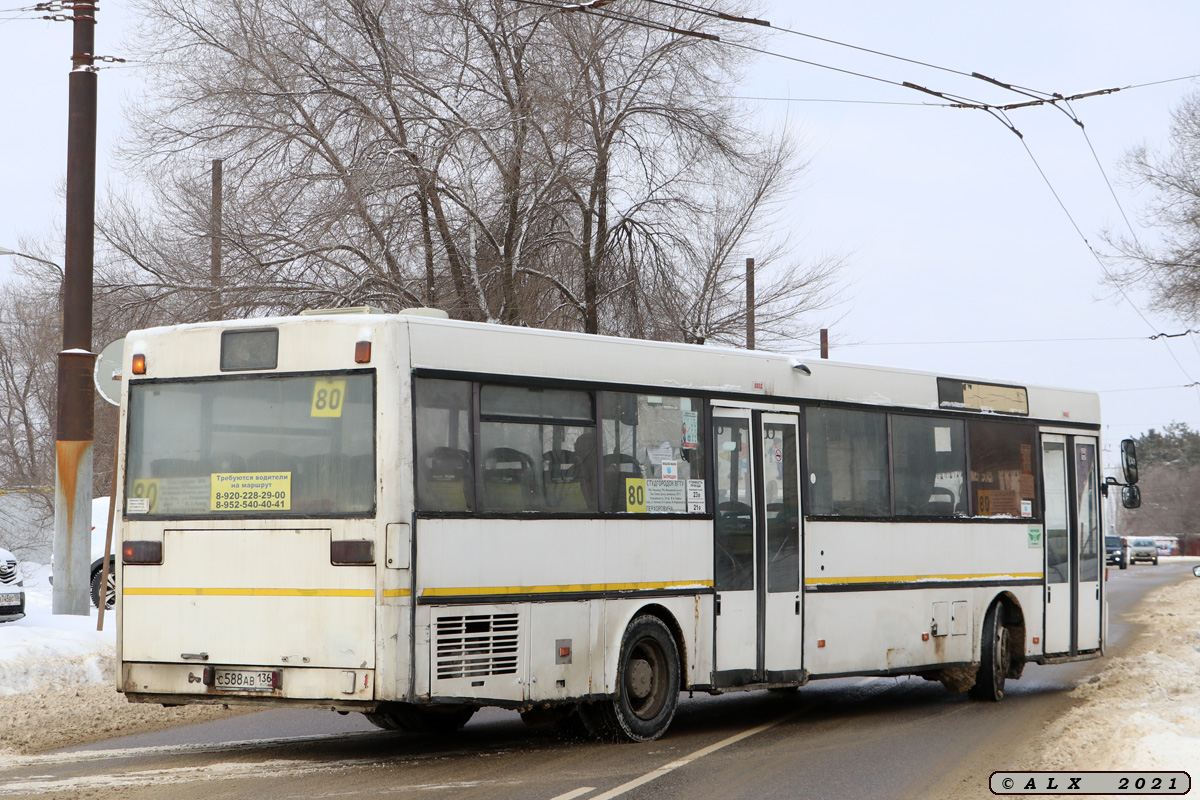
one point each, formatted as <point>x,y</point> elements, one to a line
<point>476,645</point>
<point>8,571</point>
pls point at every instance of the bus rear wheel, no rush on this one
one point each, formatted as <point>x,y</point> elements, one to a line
<point>420,719</point>
<point>647,691</point>
<point>995,657</point>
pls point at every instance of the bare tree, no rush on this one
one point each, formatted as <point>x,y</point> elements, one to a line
<point>500,160</point>
<point>1170,269</point>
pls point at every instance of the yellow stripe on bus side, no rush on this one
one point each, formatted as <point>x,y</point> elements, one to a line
<point>208,592</point>
<point>920,578</point>
<point>397,592</point>
<point>576,587</point>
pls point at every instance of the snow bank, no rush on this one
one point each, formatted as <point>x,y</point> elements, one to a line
<point>1141,711</point>
<point>58,679</point>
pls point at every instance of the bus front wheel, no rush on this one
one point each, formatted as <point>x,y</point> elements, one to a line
<point>647,691</point>
<point>995,657</point>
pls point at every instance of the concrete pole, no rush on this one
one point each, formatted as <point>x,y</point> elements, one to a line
<point>75,424</point>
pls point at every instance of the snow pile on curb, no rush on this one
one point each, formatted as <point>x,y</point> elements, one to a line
<point>1141,711</point>
<point>58,678</point>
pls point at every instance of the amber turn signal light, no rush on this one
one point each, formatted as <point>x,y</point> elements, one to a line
<point>362,352</point>
<point>139,364</point>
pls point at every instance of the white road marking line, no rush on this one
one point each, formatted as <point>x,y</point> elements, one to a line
<point>701,753</point>
<point>582,790</point>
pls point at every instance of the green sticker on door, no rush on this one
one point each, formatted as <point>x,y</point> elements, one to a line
<point>1035,538</point>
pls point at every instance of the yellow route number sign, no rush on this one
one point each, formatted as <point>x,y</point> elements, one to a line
<point>328,398</point>
<point>635,495</point>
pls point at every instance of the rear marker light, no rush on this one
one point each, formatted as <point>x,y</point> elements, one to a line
<point>820,642</point>
<point>141,552</point>
<point>139,364</point>
<point>362,352</point>
<point>352,552</point>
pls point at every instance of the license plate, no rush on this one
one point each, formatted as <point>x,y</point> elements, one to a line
<point>10,599</point>
<point>245,680</point>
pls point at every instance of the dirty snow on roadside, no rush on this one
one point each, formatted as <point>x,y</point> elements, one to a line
<point>1141,711</point>
<point>57,679</point>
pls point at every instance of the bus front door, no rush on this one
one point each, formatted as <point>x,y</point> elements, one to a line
<point>757,547</point>
<point>1072,565</point>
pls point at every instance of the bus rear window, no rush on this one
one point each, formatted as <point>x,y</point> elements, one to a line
<point>252,446</point>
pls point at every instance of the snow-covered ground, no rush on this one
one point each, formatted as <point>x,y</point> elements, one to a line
<point>57,679</point>
<point>1141,711</point>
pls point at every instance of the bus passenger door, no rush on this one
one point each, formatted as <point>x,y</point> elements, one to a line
<point>1086,493</point>
<point>757,547</point>
<point>1072,566</point>
<point>1059,566</point>
<point>781,556</point>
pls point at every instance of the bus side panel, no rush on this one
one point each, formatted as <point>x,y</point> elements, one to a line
<point>575,589</point>
<point>893,596</point>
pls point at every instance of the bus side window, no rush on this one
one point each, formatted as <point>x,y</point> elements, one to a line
<point>1002,478</point>
<point>848,463</point>
<point>444,471</point>
<point>929,466</point>
<point>648,437</point>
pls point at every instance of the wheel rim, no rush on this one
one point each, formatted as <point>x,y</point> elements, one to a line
<point>646,678</point>
<point>110,591</point>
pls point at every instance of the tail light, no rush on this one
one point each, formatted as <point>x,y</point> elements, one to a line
<point>141,552</point>
<point>352,552</point>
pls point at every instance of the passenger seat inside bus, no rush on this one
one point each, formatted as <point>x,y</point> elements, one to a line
<point>509,481</point>
<point>561,480</point>
<point>618,467</point>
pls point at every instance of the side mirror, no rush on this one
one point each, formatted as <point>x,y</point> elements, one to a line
<point>1196,571</point>
<point>1129,462</point>
<point>1131,497</point>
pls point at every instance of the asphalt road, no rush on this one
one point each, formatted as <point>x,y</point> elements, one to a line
<point>854,738</point>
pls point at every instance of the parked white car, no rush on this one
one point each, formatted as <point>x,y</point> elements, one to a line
<point>12,588</point>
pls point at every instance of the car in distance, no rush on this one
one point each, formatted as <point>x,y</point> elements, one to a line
<point>12,588</point>
<point>1142,548</point>
<point>1114,551</point>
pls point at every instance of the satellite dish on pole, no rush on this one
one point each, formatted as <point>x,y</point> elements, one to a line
<point>108,371</point>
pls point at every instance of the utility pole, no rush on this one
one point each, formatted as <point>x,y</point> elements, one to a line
<point>749,303</point>
<point>75,423</point>
<point>215,233</point>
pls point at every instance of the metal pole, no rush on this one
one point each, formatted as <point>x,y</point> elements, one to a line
<point>215,234</point>
<point>824,342</point>
<point>75,424</point>
<point>749,303</point>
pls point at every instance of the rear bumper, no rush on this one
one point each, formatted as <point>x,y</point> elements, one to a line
<point>314,687</point>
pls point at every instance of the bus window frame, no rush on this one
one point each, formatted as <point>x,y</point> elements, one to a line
<point>245,376</point>
<point>597,390</point>
<point>1033,424</point>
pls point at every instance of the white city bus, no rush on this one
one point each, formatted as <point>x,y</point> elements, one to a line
<point>413,517</point>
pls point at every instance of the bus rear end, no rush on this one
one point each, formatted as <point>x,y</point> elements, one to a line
<point>249,566</point>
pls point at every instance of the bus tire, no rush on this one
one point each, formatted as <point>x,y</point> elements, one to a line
<point>647,691</point>
<point>995,657</point>
<point>420,719</point>
<point>98,578</point>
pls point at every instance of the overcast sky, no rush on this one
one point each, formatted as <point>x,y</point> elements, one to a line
<point>961,259</point>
